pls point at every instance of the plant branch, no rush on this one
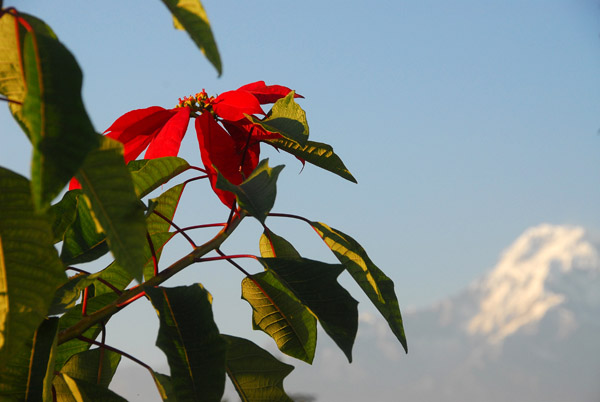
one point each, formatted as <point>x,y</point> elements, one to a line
<point>102,281</point>
<point>125,354</point>
<point>177,228</point>
<point>105,312</point>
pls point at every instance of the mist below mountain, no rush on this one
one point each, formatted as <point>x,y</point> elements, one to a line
<point>527,331</point>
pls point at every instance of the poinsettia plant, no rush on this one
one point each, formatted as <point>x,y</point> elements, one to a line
<point>53,314</point>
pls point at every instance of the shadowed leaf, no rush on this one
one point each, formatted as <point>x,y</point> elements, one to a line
<point>190,339</point>
<point>63,214</point>
<point>255,373</point>
<point>30,270</point>
<point>376,285</point>
<point>52,114</point>
<point>314,284</point>
<point>107,183</point>
<point>189,15</point>
<point>28,376</point>
<point>257,193</point>
<point>286,118</point>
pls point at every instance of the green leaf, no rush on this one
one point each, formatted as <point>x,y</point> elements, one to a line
<point>107,183</point>
<point>69,389</point>
<point>277,312</point>
<point>53,114</point>
<point>254,372</point>
<point>63,214</point>
<point>376,285</point>
<point>314,284</point>
<point>28,376</point>
<point>286,118</point>
<point>12,81</point>
<point>190,339</point>
<point>67,295</point>
<point>272,245</point>
<point>317,153</point>
<point>256,195</point>
<point>30,270</point>
<point>149,174</point>
<point>189,15</point>
<point>164,386</point>
<point>72,317</point>
<point>86,366</point>
<point>84,239</point>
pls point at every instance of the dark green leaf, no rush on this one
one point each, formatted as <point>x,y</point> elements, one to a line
<point>28,376</point>
<point>69,389</point>
<point>286,118</point>
<point>67,295</point>
<point>72,317</point>
<point>86,366</point>
<point>149,174</point>
<point>255,373</point>
<point>63,214</point>
<point>164,386</point>
<point>30,270</point>
<point>107,183</point>
<point>190,339</point>
<point>272,245</point>
<point>314,284</point>
<point>189,15</point>
<point>84,239</point>
<point>317,153</point>
<point>53,115</point>
<point>277,312</point>
<point>376,285</point>
<point>257,193</point>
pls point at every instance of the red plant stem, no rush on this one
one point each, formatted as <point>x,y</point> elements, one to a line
<point>194,179</point>
<point>131,300</point>
<point>103,340</point>
<point>154,259</point>
<point>84,303</point>
<point>127,355</point>
<point>291,216</point>
<point>198,169</point>
<point>235,264</point>
<point>102,281</point>
<point>177,228</point>
<point>207,225</point>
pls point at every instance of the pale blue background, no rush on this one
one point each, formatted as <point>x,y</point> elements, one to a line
<point>464,122</point>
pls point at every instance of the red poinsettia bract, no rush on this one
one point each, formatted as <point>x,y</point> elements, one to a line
<point>228,140</point>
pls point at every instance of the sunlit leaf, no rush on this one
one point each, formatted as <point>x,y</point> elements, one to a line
<point>67,295</point>
<point>28,375</point>
<point>272,245</point>
<point>53,114</point>
<point>30,270</point>
<point>277,312</point>
<point>190,339</point>
<point>12,80</point>
<point>376,285</point>
<point>254,372</point>
<point>286,118</point>
<point>317,153</point>
<point>315,284</point>
<point>107,183</point>
<point>257,193</point>
<point>189,15</point>
<point>149,174</point>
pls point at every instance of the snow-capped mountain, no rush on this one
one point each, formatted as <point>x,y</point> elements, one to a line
<point>527,331</point>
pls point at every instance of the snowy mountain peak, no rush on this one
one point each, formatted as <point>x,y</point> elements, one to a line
<point>525,284</point>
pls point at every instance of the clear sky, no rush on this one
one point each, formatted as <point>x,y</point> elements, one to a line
<point>464,122</point>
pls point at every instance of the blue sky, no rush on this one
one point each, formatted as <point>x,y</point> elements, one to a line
<point>464,122</point>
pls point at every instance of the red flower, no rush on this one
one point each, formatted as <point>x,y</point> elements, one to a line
<point>158,129</point>
<point>229,142</point>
